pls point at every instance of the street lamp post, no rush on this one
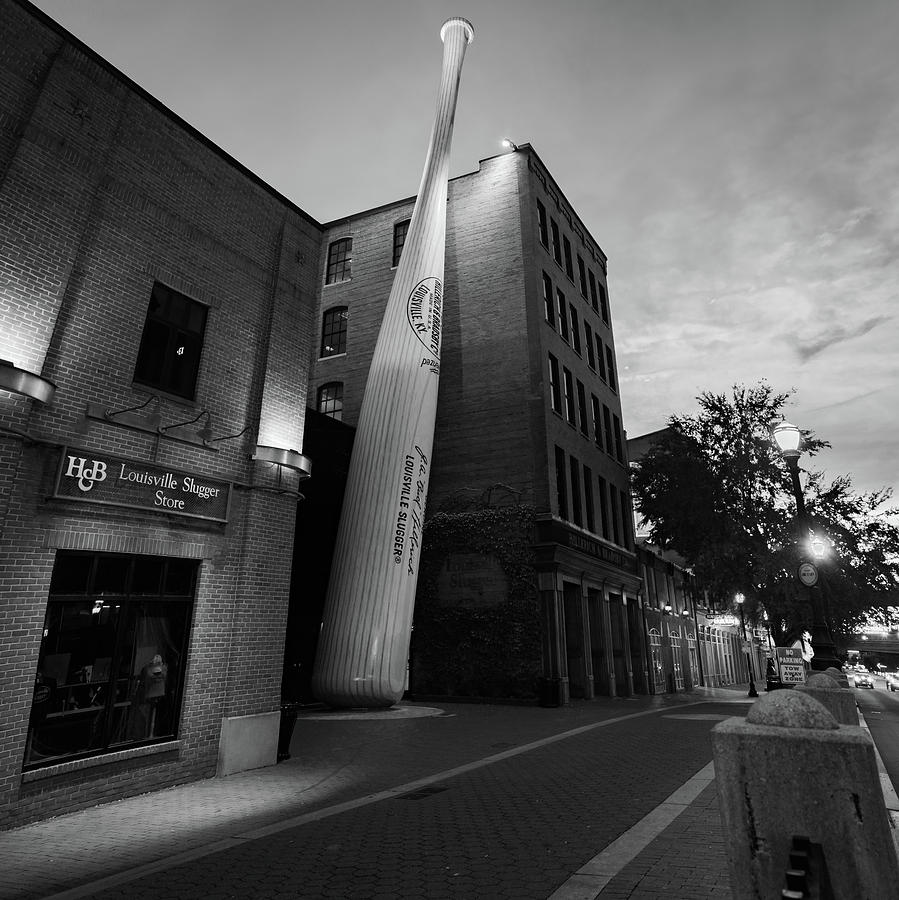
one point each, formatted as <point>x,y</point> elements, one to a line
<point>747,646</point>
<point>788,438</point>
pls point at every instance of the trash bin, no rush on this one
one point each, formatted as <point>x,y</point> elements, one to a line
<point>548,692</point>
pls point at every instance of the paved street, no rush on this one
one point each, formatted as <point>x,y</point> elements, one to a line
<point>463,800</point>
<point>609,798</point>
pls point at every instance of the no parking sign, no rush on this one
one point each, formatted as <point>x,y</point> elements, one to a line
<point>790,664</point>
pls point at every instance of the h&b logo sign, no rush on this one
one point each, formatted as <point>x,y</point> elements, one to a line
<point>86,477</point>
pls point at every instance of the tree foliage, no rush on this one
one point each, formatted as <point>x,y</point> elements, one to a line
<point>715,489</point>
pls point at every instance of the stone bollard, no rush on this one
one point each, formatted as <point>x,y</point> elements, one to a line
<point>839,702</point>
<point>839,677</point>
<point>788,769</point>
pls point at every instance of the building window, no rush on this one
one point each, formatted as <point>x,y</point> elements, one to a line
<point>582,407</point>
<point>400,230</point>
<point>600,358</point>
<point>626,519</point>
<point>588,343</point>
<point>569,267</point>
<point>604,509</point>
<point>570,411</point>
<point>588,500</point>
<point>582,276</point>
<point>607,421</point>
<point>575,330</point>
<point>610,364</point>
<point>330,400</point>
<point>111,666</point>
<point>334,331</point>
<point>561,484</point>
<point>340,261</point>
<point>597,423</point>
<point>557,242</point>
<point>575,468</point>
<point>594,302</point>
<point>555,388</point>
<point>615,516</point>
<point>563,315</point>
<point>603,303</point>
<point>169,354</point>
<point>541,224</point>
<point>548,312</point>
<point>619,451</point>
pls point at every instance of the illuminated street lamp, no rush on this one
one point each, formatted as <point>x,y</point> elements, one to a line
<point>789,439</point>
<point>740,599</point>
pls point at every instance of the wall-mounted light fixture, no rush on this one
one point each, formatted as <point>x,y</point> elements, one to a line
<point>509,145</point>
<point>165,429</point>
<point>152,420</point>
<point>20,381</point>
<point>289,459</point>
<point>206,434</point>
<point>667,609</point>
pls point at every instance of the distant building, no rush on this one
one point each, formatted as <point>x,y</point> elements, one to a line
<point>687,641</point>
<point>528,580</point>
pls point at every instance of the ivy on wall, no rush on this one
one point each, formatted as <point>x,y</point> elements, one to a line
<point>490,651</point>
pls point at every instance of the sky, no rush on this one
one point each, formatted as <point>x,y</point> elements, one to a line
<point>737,161</point>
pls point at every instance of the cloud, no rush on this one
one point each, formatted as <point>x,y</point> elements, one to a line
<point>833,336</point>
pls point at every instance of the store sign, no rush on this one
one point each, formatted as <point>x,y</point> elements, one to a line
<point>556,531</point>
<point>472,580</point>
<point>93,477</point>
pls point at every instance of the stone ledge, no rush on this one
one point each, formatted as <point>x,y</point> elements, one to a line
<point>92,762</point>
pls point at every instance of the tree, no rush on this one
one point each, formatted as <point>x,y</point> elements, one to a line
<point>715,490</point>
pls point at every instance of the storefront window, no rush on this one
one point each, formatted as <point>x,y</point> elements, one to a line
<point>111,665</point>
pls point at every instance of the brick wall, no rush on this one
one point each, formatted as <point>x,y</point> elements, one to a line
<point>103,192</point>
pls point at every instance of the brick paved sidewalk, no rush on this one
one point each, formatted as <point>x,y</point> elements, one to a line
<point>332,765</point>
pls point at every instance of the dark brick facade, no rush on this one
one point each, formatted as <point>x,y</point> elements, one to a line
<point>104,192</point>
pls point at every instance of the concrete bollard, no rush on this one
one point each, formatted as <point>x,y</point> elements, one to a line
<point>789,769</point>
<point>839,702</point>
<point>839,677</point>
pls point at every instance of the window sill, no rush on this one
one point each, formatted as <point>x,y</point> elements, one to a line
<point>332,356</point>
<point>93,762</point>
<point>328,284</point>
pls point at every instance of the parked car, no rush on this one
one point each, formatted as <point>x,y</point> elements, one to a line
<point>863,680</point>
<point>892,679</point>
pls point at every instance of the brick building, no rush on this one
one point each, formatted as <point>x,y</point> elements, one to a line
<point>690,638</point>
<point>162,312</point>
<point>528,579</point>
<point>155,298</point>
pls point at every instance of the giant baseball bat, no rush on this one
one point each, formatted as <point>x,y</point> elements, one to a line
<point>364,641</point>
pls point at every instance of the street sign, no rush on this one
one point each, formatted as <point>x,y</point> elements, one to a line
<point>790,664</point>
<point>808,574</point>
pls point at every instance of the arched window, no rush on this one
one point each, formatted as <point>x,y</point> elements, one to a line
<point>334,331</point>
<point>340,261</point>
<point>330,400</point>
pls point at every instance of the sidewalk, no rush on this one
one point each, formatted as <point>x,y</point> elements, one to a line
<point>330,799</point>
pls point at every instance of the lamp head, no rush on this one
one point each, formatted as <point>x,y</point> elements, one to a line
<point>788,438</point>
